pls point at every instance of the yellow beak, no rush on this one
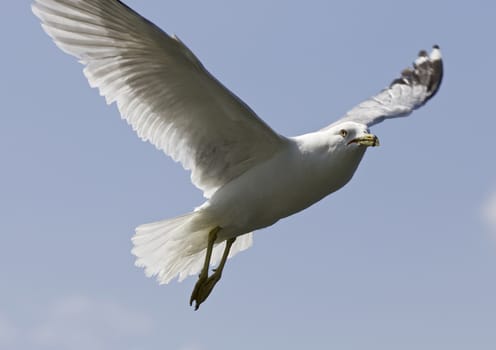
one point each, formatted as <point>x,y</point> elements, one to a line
<point>367,140</point>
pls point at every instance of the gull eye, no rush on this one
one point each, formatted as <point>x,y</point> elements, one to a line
<point>343,132</point>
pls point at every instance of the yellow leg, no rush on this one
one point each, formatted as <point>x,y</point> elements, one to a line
<point>206,284</point>
<point>212,237</point>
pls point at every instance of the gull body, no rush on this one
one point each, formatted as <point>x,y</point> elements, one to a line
<point>250,175</point>
<point>309,168</point>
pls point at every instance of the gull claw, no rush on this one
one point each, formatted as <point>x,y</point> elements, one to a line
<point>203,288</point>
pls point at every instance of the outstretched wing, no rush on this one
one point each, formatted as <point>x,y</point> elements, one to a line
<point>161,89</point>
<point>412,90</point>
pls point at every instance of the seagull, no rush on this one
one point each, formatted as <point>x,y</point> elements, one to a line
<point>250,175</point>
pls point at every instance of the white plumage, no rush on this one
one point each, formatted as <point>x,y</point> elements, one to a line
<point>250,175</point>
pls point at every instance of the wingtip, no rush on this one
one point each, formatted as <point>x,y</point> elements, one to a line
<point>422,57</point>
<point>435,53</point>
<point>427,70</point>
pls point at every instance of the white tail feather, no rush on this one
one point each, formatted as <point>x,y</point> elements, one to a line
<point>177,246</point>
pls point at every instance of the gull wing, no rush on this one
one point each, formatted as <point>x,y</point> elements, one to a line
<point>161,89</point>
<point>412,90</point>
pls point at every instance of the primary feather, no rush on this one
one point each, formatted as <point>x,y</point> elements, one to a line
<point>161,89</point>
<point>412,90</point>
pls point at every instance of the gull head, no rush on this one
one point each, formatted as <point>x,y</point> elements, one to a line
<point>351,134</point>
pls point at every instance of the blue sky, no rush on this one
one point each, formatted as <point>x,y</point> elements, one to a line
<point>403,257</point>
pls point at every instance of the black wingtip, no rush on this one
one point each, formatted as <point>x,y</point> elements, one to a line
<point>423,53</point>
<point>427,71</point>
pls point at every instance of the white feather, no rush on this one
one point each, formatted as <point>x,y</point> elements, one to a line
<point>173,247</point>
<point>415,87</point>
<point>161,89</point>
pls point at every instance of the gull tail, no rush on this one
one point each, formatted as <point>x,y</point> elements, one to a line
<point>177,246</point>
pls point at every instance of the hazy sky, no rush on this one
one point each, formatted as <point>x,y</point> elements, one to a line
<point>404,257</point>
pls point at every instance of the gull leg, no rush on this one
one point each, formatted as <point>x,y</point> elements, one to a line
<point>212,236</point>
<point>205,284</point>
<point>202,278</point>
